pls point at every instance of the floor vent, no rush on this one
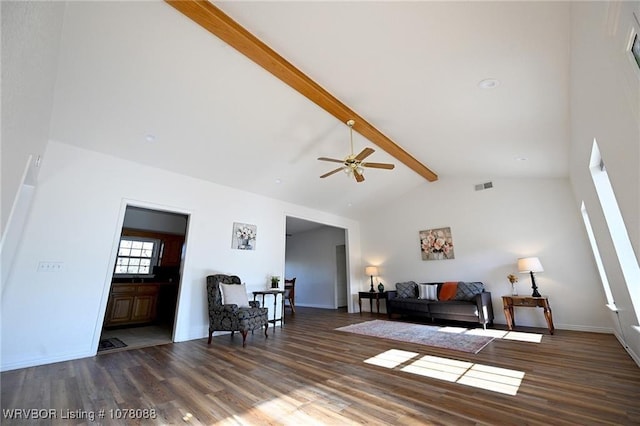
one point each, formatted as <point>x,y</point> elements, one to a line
<point>483,186</point>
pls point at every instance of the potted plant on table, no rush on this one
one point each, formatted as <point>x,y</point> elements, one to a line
<point>275,281</point>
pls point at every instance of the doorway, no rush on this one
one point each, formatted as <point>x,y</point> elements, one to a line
<point>141,308</point>
<point>342,291</point>
<point>316,255</point>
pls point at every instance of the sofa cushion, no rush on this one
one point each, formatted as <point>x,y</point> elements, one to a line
<point>448,290</point>
<point>453,307</point>
<point>410,305</point>
<point>468,290</point>
<point>406,290</point>
<point>428,291</point>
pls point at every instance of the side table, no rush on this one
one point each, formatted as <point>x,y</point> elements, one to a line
<point>509,302</point>
<point>371,295</point>
<point>275,294</point>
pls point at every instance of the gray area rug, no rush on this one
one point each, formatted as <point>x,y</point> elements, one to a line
<point>421,334</point>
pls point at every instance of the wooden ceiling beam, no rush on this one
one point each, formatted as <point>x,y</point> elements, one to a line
<point>222,26</point>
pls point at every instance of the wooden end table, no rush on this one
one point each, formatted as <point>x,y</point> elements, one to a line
<point>371,295</point>
<point>509,302</point>
<point>275,294</point>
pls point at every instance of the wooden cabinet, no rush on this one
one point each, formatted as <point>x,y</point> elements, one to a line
<point>171,250</point>
<point>131,304</point>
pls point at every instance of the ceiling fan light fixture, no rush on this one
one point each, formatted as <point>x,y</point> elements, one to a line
<point>353,164</point>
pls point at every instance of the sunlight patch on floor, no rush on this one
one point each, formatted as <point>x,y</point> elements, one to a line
<point>284,409</point>
<point>495,379</point>
<point>391,358</point>
<point>455,330</point>
<point>438,368</point>
<point>523,337</point>
<point>497,334</point>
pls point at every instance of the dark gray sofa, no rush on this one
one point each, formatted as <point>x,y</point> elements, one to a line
<point>470,304</point>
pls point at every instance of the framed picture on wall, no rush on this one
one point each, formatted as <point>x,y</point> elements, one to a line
<point>436,244</point>
<point>244,236</point>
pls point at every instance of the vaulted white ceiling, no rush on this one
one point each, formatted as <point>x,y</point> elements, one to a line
<point>132,71</point>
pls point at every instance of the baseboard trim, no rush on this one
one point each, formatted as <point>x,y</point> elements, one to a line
<point>34,362</point>
<point>193,334</point>
<point>311,305</point>
<point>634,356</point>
<point>587,328</point>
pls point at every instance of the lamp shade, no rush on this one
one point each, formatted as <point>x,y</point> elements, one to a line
<point>371,270</point>
<point>529,264</point>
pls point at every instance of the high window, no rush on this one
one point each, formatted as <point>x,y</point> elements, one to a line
<point>615,224</point>
<point>598,259</point>
<point>137,256</point>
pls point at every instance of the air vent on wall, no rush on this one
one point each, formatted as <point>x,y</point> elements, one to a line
<point>483,186</point>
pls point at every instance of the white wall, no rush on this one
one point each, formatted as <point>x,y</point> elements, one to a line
<point>605,105</point>
<point>30,45</point>
<point>76,219</point>
<point>29,65</point>
<point>491,229</point>
<point>311,258</point>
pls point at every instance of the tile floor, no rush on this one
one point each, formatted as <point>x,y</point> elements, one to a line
<point>139,337</point>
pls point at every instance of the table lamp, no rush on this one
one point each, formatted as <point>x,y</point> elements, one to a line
<point>531,265</point>
<point>371,271</point>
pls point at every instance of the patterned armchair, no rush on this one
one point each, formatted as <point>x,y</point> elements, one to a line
<point>231,317</point>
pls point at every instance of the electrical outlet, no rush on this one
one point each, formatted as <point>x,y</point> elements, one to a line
<point>50,266</point>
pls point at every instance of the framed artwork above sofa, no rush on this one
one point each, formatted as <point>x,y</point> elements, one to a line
<point>436,244</point>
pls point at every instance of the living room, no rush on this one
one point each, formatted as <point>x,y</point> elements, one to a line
<point>83,100</point>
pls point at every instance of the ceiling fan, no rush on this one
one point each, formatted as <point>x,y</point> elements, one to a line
<point>353,164</point>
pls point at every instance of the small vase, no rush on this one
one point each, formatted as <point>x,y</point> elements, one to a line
<point>380,287</point>
<point>437,255</point>
<point>514,290</point>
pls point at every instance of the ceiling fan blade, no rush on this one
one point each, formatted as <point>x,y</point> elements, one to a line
<point>359,177</point>
<point>364,154</point>
<point>333,160</point>
<point>386,166</point>
<point>331,172</point>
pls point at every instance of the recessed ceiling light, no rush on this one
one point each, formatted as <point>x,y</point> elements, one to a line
<point>149,137</point>
<point>278,181</point>
<point>488,83</point>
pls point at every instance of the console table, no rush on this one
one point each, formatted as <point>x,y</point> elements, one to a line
<point>275,294</point>
<point>509,302</point>
<point>371,295</point>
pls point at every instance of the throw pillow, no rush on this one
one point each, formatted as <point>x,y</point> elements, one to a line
<point>234,294</point>
<point>406,290</point>
<point>448,290</point>
<point>422,291</point>
<point>468,290</point>
<point>428,291</point>
<point>432,292</point>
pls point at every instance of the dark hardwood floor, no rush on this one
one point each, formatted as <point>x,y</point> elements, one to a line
<point>308,373</point>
